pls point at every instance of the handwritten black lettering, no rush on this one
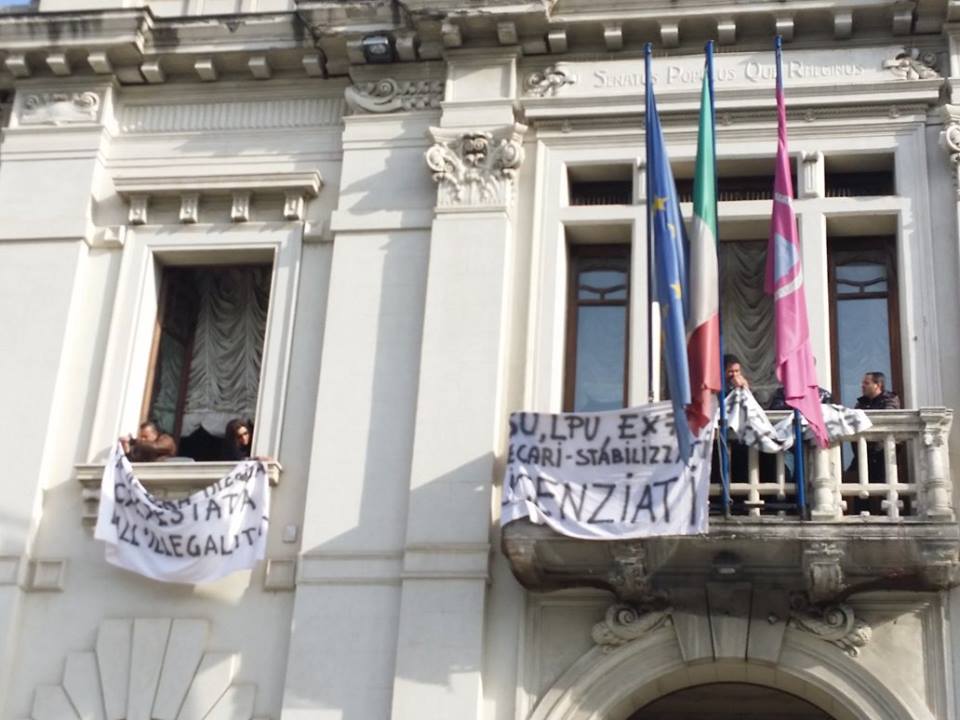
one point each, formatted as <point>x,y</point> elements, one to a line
<point>610,487</point>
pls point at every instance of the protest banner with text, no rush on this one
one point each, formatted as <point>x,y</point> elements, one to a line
<point>199,538</point>
<point>607,475</point>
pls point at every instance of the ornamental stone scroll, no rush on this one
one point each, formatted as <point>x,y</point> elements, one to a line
<point>59,108</point>
<point>622,624</point>
<point>950,140</point>
<point>476,169</point>
<point>388,95</point>
<point>836,624</point>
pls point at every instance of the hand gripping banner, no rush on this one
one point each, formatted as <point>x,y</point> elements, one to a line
<point>203,537</point>
<point>607,475</point>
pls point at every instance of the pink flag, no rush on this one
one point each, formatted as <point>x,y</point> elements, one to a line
<point>784,280</point>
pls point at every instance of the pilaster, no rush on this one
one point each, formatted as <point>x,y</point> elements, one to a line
<point>53,285</point>
<point>460,406</point>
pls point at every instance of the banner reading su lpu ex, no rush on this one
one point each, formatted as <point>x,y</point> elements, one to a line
<point>607,475</point>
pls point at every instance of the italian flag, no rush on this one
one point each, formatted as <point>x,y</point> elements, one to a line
<point>703,325</point>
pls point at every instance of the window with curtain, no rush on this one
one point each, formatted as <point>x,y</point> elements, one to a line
<point>746,313</point>
<point>207,352</point>
<point>597,327</point>
<point>864,328</point>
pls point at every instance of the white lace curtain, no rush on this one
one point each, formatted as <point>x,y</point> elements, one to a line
<point>227,347</point>
<point>747,313</point>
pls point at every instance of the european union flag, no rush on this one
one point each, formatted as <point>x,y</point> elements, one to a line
<point>670,250</point>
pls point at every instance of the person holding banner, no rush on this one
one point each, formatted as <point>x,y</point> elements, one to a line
<point>149,445</point>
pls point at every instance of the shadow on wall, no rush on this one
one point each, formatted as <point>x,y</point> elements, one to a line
<point>349,596</point>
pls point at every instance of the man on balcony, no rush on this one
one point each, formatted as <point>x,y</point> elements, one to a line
<point>875,397</point>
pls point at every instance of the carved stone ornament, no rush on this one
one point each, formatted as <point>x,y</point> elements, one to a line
<point>913,65</point>
<point>950,140</point>
<point>835,624</point>
<point>625,623</point>
<point>629,577</point>
<point>821,564</point>
<point>389,95</point>
<point>547,82</point>
<point>476,169</point>
<point>148,667</point>
<point>59,108</point>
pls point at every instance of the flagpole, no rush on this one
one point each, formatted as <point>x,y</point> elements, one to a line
<point>651,272</point>
<point>722,434</point>
<point>799,476</point>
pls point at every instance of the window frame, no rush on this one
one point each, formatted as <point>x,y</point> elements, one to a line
<point>872,249</point>
<point>585,252</point>
<point>162,309</point>
<point>127,362</point>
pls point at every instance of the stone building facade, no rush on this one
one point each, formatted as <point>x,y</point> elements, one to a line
<point>423,182</point>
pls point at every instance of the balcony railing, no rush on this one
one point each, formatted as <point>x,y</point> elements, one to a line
<point>897,469</point>
<point>881,516</point>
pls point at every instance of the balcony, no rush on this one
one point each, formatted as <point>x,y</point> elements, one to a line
<point>865,529</point>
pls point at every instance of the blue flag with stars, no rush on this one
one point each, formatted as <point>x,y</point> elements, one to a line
<point>670,262</point>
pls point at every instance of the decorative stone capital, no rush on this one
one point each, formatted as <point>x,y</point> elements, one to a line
<point>913,65</point>
<point>625,623</point>
<point>823,570</point>
<point>476,169</point>
<point>59,108</point>
<point>950,140</point>
<point>389,95</point>
<point>950,135</point>
<point>835,624</point>
<point>547,82</point>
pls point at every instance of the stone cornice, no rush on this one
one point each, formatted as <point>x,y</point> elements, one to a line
<point>321,39</point>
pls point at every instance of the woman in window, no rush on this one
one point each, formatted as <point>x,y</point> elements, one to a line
<point>236,439</point>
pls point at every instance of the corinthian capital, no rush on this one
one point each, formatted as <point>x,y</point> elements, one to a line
<point>476,169</point>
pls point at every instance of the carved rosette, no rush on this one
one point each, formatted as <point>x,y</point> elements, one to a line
<point>547,82</point>
<point>59,108</point>
<point>389,95</point>
<point>835,624</point>
<point>625,623</point>
<point>476,169</point>
<point>913,65</point>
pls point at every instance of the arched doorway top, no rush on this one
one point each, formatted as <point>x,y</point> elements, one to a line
<point>612,685</point>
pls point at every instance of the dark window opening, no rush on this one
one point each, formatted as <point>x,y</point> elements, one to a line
<point>859,175</point>
<point>207,352</point>
<point>600,184</point>
<point>597,328</point>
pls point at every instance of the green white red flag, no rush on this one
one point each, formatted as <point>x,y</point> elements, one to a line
<point>703,323</point>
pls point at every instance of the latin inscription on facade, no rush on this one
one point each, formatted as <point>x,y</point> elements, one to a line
<point>802,67</point>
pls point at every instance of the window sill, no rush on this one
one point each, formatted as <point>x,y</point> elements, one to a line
<point>162,479</point>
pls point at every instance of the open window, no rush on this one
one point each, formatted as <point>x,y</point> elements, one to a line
<point>747,313</point>
<point>204,374</point>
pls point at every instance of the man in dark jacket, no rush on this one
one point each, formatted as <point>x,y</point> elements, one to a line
<point>875,397</point>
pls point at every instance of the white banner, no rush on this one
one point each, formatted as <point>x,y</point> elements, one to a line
<point>751,426</point>
<point>203,537</point>
<point>608,475</point>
